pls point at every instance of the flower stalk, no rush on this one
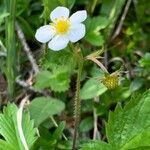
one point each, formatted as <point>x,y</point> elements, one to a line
<point>77,104</point>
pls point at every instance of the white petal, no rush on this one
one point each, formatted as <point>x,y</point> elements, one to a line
<point>59,12</point>
<point>79,16</point>
<point>45,33</point>
<point>58,43</point>
<point>77,32</point>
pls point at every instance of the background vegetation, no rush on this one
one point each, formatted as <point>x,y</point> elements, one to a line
<point>114,116</point>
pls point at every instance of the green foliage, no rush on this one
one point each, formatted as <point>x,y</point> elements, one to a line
<point>42,108</point>
<point>9,129</point>
<point>26,27</point>
<point>57,72</point>
<point>10,46</point>
<point>111,10</point>
<point>22,6</point>
<point>49,5</point>
<point>127,124</point>
<point>70,3</point>
<point>93,26</point>
<point>136,84</point>
<point>117,95</point>
<point>52,59</point>
<point>3,13</point>
<point>141,10</point>
<point>92,88</point>
<point>43,79</point>
<point>145,61</point>
<point>96,145</point>
<point>128,128</point>
<point>52,141</point>
<point>58,132</point>
<point>58,80</point>
<point>86,124</point>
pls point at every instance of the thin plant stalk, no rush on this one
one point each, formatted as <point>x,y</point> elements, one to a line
<point>77,104</point>
<point>56,125</point>
<point>93,6</point>
<point>10,46</point>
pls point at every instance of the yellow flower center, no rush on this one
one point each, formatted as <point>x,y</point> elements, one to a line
<point>62,26</point>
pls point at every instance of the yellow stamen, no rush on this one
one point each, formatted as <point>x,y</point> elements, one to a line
<point>62,26</point>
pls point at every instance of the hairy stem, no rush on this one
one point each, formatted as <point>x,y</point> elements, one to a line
<point>10,46</point>
<point>77,99</point>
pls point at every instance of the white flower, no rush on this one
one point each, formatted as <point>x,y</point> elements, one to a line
<point>62,29</point>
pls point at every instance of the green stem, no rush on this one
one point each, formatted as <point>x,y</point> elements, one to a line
<point>10,46</point>
<point>93,6</point>
<point>46,4</point>
<point>77,98</point>
<point>56,125</point>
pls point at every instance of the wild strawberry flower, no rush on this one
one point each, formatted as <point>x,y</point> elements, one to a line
<point>62,29</point>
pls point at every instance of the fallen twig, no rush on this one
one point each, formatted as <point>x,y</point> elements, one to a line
<point>27,86</point>
<point>3,54</point>
<point>96,133</point>
<point>118,29</point>
<point>26,48</point>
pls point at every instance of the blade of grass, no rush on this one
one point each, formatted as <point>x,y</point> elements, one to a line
<point>10,46</point>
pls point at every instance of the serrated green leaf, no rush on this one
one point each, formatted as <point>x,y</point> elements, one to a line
<point>57,80</point>
<point>43,107</point>
<point>43,80</point>
<point>9,129</point>
<point>52,60</point>
<point>92,88</point>
<point>57,72</point>
<point>129,128</point>
<point>60,80</point>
